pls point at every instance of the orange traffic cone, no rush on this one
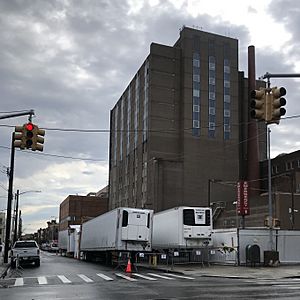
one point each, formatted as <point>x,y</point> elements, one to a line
<point>128,268</point>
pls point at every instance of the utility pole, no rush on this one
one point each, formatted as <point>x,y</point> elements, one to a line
<point>16,216</point>
<point>9,199</point>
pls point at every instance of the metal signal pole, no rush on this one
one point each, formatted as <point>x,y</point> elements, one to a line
<point>9,199</point>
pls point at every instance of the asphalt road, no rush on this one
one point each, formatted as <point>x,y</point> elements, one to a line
<point>66,278</point>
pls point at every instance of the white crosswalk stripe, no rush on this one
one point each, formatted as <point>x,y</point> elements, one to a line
<point>104,277</point>
<point>160,276</point>
<point>143,276</point>
<point>42,280</point>
<point>125,277</point>
<point>19,282</point>
<point>131,277</point>
<point>180,276</point>
<point>289,286</point>
<point>85,278</point>
<point>64,279</point>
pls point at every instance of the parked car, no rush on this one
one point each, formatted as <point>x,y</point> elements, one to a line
<point>25,252</point>
<point>53,247</point>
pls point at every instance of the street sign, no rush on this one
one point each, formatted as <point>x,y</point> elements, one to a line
<point>242,205</point>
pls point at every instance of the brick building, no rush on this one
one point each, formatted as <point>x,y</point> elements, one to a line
<point>180,127</point>
<point>76,209</point>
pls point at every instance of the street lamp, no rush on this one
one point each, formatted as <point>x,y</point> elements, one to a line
<point>17,195</point>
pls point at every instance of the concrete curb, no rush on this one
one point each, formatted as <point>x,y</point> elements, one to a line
<point>4,272</point>
<point>160,269</point>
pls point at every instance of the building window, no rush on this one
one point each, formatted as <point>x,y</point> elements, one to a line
<point>196,124</point>
<point>196,108</point>
<point>196,78</point>
<point>274,169</point>
<point>289,165</point>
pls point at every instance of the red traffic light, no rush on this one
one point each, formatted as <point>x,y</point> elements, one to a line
<point>29,126</point>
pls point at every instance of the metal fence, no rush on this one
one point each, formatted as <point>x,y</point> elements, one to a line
<point>174,257</point>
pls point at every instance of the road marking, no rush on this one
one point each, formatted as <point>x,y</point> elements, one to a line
<point>104,277</point>
<point>125,277</point>
<point>42,280</point>
<point>19,282</point>
<point>160,276</point>
<point>143,276</point>
<point>292,287</point>
<point>180,276</point>
<point>64,279</point>
<point>85,278</point>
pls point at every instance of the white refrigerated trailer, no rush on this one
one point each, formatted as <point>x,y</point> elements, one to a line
<point>182,228</point>
<point>120,230</point>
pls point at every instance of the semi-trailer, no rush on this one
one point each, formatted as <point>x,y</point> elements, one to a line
<point>120,230</point>
<point>182,228</point>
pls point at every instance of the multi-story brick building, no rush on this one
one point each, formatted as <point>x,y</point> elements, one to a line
<point>285,170</point>
<point>181,126</point>
<point>76,209</point>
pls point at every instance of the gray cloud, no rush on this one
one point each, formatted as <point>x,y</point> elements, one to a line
<point>71,64</point>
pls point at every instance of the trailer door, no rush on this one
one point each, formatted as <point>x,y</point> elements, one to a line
<point>134,226</point>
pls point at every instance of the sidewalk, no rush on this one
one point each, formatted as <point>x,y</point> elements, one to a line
<point>283,271</point>
<point>3,266</point>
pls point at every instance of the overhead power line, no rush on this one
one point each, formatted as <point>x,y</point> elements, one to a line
<point>138,130</point>
<point>57,155</point>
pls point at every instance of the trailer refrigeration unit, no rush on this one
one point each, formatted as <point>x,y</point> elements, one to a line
<point>120,230</point>
<point>182,228</point>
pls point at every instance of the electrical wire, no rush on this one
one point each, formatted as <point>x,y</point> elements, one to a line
<point>56,155</point>
<point>141,130</point>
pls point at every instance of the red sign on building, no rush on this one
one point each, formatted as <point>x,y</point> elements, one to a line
<point>242,205</point>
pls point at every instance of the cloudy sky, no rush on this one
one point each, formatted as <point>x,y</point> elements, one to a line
<point>71,60</point>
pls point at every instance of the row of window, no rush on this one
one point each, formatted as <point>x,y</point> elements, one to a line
<point>120,112</point>
<point>196,95</point>
<point>196,106</point>
<point>289,165</point>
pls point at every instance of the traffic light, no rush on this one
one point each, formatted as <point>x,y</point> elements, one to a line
<point>29,128</point>
<point>276,106</point>
<point>19,137</point>
<point>257,104</point>
<point>38,139</point>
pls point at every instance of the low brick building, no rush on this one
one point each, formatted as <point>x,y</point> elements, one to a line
<point>76,209</point>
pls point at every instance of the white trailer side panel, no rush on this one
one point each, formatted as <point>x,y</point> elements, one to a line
<point>167,233</point>
<point>100,233</point>
<point>63,239</point>
<point>127,229</point>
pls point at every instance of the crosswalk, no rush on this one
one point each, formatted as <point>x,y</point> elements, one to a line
<point>283,283</point>
<point>90,278</point>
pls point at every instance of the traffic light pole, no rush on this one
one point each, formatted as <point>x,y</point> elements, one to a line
<point>270,190</point>
<point>29,112</point>
<point>278,75</point>
<point>9,199</point>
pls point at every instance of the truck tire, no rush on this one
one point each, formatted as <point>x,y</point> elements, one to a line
<point>37,263</point>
